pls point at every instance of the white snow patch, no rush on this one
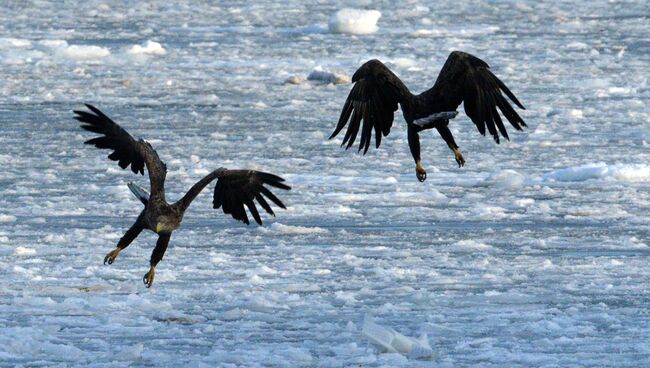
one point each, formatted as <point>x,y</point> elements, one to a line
<point>471,245</point>
<point>456,31</point>
<point>354,21</point>
<point>576,113</point>
<point>431,196</point>
<point>51,44</point>
<point>576,45</point>
<point>296,230</point>
<point>486,212</point>
<point>218,135</point>
<point>81,52</point>
<point>421,198</point>
<point>7,218</point>
<point>621,90</point>
<point>403,62</point>
<point>14,43</point>
<point>505,179</point>
<point>23,251</point>
<point>148,48</point>
<point>524,202</point>
<point>601,170</point>
<point>256,280</point>
<point>264,271</point>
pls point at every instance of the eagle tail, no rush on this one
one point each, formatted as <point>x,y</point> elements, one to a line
<point>139,192</point>
<point>428,121</point>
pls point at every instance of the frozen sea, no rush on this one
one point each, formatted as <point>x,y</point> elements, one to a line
<point>536,253</point>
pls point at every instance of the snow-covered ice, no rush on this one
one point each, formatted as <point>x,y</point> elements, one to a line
<point>148,48</point>
<point>389,340</point>
<point>601,170</point>
<point>80,52</point>
<point>320,75</point>
<point>354,21</point>
<point>535,253</point>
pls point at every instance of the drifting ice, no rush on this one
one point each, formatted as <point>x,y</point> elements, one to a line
<point>148,48</point>
<point>354,21</point>
<point>395,342</point>
<point>320,75</point>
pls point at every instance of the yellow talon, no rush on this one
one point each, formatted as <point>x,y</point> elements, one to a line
<point>459,157</point>
<point>420,172</point>
<point>110,257</point>
<point>149,276</point>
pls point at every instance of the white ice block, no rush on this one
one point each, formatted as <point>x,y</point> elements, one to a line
<point>354,21</point>
<point>394,342</point>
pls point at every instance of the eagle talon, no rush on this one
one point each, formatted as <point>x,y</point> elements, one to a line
<point>110,257</point>
<point>459,158</point>
<point>148,277</point>
<point>420,172</point>
<point>421,176</point>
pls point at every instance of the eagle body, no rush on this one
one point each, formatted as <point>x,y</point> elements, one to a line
<point>159,216</point>
<point>464,78</point>
<point>235,189</point>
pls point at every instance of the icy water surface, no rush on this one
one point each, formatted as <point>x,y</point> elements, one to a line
<point>533,254</point>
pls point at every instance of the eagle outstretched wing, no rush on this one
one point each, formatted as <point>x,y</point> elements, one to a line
<point>238,188</point>
<point>466,78</point>
<point>373,101</point>
<point>126,150</point>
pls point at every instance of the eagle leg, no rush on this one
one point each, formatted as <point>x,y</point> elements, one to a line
<point>445,133</point>
<point>156,256</point>
<point>414,145</point>
<point>127,239</point>
<point>459,157</point>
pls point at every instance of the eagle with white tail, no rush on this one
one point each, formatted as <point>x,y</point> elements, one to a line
<point>377,91</point>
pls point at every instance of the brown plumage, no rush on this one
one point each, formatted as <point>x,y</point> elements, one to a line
<point>377,91</point>
<point>234,189</point>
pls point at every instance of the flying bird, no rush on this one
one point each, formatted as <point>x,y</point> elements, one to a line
<point>234,189</point>
<point>464,78</point>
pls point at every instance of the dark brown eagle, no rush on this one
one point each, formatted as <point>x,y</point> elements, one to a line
<point>464,78</point>
<point>234,189</point>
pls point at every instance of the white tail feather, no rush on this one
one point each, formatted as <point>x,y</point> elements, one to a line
<point>445,115</point>
<point>139,192</point>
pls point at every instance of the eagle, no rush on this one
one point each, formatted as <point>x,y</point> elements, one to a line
<point>234,188</point>
<point>464,78</point>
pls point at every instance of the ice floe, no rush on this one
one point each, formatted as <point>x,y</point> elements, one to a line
<point>354,21</point>
<point>601,170</point>
<point>394,342</point>
<point>81,52</point>
<point>320,75</point>
<point>148,48</point>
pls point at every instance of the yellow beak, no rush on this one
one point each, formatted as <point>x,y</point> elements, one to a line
<point>159,227</point>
